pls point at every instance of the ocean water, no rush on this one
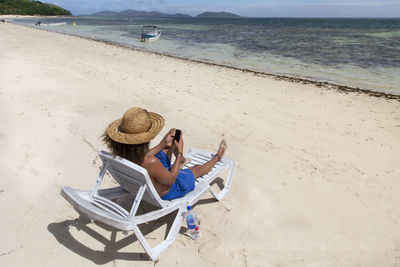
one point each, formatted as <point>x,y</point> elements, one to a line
<point>362,53</point>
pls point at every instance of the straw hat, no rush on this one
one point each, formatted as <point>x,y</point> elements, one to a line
<point>137,126</point>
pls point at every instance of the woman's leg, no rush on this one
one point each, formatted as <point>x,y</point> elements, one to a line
<point>200,170</point>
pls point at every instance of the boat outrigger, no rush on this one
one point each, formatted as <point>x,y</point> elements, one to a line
<point>149,34</point>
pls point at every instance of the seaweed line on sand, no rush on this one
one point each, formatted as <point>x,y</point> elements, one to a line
<point>325,85</point>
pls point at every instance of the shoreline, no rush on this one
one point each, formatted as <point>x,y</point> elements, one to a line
<point>293,79</point>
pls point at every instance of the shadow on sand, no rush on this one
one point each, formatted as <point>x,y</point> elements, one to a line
<point>61,232</point>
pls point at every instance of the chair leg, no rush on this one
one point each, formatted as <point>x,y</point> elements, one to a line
<point>227,186</point>
<point>155,252</point>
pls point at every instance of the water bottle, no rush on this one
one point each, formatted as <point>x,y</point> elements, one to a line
<point>192,223</point>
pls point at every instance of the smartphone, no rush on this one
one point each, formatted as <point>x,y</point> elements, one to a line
<point>177,135</point>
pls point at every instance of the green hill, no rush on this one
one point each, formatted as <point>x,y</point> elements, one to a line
<point>222,14</point>
<point>27,7</point>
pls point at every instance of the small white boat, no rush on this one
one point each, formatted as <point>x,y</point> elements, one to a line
<point>54,24</point>
<point>149,34</point>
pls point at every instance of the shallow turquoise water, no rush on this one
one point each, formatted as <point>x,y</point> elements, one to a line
<point>361,53</point>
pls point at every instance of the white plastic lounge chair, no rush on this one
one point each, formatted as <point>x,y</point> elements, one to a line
<point>134,180</point>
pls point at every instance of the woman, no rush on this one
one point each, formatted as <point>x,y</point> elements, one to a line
<point>130,137</point>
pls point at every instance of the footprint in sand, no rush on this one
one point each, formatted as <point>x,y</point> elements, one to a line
<point>212,249</point>
<point>239,258</point>
<point>267,145</point>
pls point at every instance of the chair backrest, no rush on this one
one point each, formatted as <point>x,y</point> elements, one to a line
<point>131,177</point>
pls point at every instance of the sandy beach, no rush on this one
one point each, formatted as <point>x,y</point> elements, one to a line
<point>318,172</point>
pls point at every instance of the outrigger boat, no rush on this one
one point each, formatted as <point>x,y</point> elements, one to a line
<point>39,23</point>
<point>149,34</point>
<point>55,24</point>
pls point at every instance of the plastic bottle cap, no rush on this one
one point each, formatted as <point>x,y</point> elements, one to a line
<point>189,208</point>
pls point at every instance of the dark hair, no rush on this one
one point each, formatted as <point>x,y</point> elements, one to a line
<point>134,153</point>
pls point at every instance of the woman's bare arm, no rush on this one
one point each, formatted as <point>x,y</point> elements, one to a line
<point>166,142</point>
<point>160,173</point>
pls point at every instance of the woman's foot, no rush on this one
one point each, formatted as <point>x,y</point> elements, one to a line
<point>222,148</point>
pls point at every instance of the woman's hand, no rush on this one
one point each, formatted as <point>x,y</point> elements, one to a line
<point>167,141</point>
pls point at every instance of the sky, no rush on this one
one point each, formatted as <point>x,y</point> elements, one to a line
<point>250,8</point>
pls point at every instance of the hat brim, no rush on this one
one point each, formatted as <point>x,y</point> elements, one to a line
<point>157,123</point>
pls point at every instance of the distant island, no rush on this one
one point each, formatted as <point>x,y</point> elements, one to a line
<point>222,14</point>
<point>135,13</point>
<point>156,14</point>
<point>27,7</point>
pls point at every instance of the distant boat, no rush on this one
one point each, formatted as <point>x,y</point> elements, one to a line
<point>149,34</point>
<point>53,24</point>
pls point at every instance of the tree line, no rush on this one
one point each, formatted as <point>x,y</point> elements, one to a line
<point>28,7</point>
